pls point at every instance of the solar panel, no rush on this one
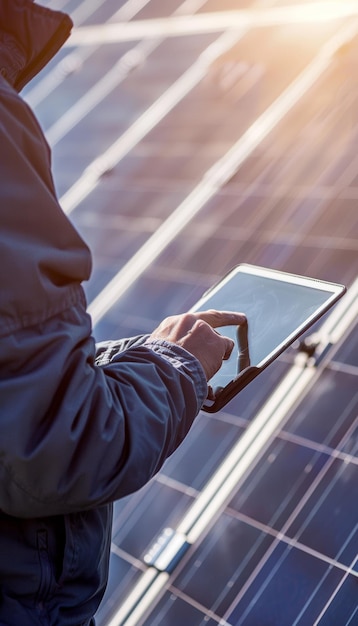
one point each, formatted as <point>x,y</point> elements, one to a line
<point>189,154</point>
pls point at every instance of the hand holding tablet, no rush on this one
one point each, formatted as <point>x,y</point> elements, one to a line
<point>278,306</point>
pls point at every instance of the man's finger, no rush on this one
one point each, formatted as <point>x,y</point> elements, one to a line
<point>228,348</point>
<point>221,318</point>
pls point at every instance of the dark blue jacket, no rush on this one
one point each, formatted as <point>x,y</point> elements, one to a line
<point>80,425</point>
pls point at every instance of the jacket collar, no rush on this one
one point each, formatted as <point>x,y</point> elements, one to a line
<point>30,35</point>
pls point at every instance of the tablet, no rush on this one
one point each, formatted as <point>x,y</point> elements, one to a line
<point>279,307</point>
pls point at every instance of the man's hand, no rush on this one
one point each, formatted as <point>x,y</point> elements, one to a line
<point>195,332</point>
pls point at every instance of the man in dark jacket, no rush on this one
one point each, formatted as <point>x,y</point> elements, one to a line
<point>80,426</point>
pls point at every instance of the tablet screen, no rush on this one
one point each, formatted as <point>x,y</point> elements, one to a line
<point>278,306</point>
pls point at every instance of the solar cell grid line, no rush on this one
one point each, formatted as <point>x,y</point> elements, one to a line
<point>349,175</point>
<point>60,4</point>
<point>245,453</point>
<point>298,150</point>
<point>290,543</point>
<point>293,155</point>
<point>347,435</point>
<point>296,539</point>
<point>331,599</point>
<point>326,480</point>
<point>286,178</point>
<point>240,613</point>
<point>325,193</point>
<point>150,118</point>
<point>322,448</point>
<point>318,129</point>
<point>183,528</point>
<point>111,79</point>
<point>337,473</point>
<point>124,66</point>
<point>44,85</point>
<point>288,172</point>
<point>325,564</point>
<point>311,170</point>
<point>301,470</point>
<point>76,58</point>
<point>190,6</point>
<point>84,10</point>
<point>306,610</point>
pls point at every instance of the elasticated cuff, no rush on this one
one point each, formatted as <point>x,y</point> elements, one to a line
<point>182,359</point>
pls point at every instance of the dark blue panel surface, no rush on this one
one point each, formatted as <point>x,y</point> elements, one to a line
<point>200,454</point>
<point>223,562</point>
<point>329,410</point>
<point>327,520</point>
<point>250,400</point>
<point>292,587</point>
<point>348,353</point>
<point>342,606</point>
<point>278,483</point>
<point>174,611</point>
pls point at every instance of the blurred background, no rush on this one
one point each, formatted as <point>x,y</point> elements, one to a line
<point>187,137</point>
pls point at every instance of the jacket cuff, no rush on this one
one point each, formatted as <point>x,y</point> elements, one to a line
<point>183,360</point>
<point>107,350</point>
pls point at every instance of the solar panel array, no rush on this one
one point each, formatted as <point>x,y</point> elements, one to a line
<point>188,137</point>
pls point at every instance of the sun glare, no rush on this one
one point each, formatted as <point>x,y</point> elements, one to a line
<point>315,13</point>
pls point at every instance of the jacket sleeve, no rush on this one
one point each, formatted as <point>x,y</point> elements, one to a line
<point>74,434</point>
